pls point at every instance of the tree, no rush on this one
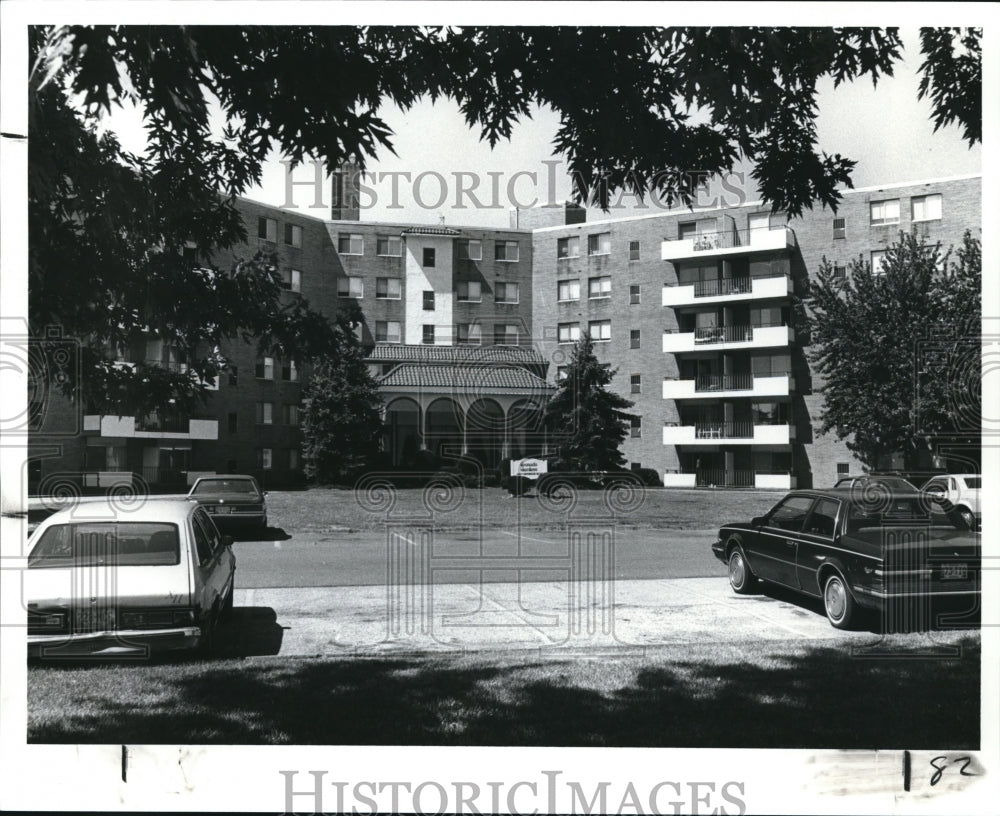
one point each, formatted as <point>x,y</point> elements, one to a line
<point>341,423</point>
<point>888,344</point>
<point>588,422</point>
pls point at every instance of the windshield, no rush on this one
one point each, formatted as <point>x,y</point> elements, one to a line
<point>129,544</point>
<point>209,486</point>
<point>974,482</point>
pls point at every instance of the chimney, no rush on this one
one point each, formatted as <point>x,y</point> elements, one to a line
<point>346,204</point>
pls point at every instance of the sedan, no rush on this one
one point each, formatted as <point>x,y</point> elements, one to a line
<point>103,581</point>
<point>232,501</point>
<point>854,550</point>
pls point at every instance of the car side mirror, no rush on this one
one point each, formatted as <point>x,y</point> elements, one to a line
<point>227,541</point>
<point>758,521</point>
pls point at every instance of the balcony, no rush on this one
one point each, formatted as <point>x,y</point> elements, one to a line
<point>727,243</point>
<point>725,290</point>
<point>726,338</point>
<point>730,478</point>
<point>151,427</point>
<point>728,385</point>
<point>729,433</point>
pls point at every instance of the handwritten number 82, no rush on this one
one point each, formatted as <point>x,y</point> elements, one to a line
<point>940,763</point>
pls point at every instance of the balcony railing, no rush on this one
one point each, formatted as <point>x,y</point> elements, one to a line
<point>724,430</point>
<point>724,382</point>
<point>723,334</point>
<point>722,286</point>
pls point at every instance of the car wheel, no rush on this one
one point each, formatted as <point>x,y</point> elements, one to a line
<point>741,579</point>
<point>838,602</point>
<point>968,518</point>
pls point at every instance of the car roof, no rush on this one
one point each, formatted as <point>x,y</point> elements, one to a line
<point>108,509</point>
<point>849,492</point>
<point>225,477</point>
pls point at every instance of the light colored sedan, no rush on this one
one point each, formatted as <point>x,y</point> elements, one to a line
<point>107,581</point>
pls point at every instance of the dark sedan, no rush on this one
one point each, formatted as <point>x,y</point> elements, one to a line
<point>856,548</point>
<point>232,501</point>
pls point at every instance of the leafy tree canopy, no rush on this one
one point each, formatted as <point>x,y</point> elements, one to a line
<point>899,348</point>
<point>588,422</point>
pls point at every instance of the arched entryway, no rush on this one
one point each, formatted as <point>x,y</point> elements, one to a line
<point>525,434</point>
<point>485,431</point>
<point>401,434</point>
<point>443,427</point>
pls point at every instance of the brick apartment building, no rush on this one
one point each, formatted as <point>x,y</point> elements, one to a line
<point>468,329</point>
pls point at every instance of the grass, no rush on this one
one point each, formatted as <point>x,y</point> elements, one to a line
<point>322,510</point>
<point>765,695</point>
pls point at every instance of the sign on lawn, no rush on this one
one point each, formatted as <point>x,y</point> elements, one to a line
<point>528,468</point>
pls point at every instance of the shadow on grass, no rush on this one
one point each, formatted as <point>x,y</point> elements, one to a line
<point>258,534</point>
<point>816,697</point>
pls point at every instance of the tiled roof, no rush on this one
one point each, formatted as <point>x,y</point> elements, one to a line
<point>396,352</point>
<point>485,378</point>
<point>430,231</point>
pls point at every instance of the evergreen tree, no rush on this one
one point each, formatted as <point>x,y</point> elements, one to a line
<point>588,422</point>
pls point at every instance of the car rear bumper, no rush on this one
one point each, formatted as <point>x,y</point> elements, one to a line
<point>124,643</point>
<point>877,599</point>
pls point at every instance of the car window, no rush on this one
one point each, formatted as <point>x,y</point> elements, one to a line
<point>790,513</point>
<point>129,544</point>
<point>822,521</point>
<point>973,482</point>
<point>201,541</point>
<point>209,529</point>
<point>906,511</point>
<point>210,486</point>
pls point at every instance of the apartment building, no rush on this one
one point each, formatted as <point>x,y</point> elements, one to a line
<point>469,330</point>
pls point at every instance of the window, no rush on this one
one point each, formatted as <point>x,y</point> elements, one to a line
<point>428,300</point>
<point>840,273</point>
<point>599,287</point>
<point>823,519</point>
<point>507,251</point>
<point>234,376</point>
<point>687,230</point>
<point>389,246</point>
<point>351,244</point>
<point>839,228</point>
<point>292,415</point>
<point>428,336</point>
<point>636,423</point>
<point>470,291</point>
<point>470,250</point>
<point>291,279</point>
<point>430,257</point>
<point>265,413</point>
<point>351,287</point>
<point>600,330</point>
<point>568,247</point>
<point>599,244</point>
<point>264,458</point>
<point>885,212</point>
<point>265,368</point>
<point>293,235</point>
<point>926,208</point>
<point>569,290</point>
<point>562,372</point>
<point>234,422</point>
<point>634,338</point>
<point>636,383</point>
<point>633,250</point>
<point>843,468</point>
<point>470,334</point>
<point>267,229</point>
<point>790,514</point>
<point>507,293</point>
<point>505,334</point>
<point>388,289</point>
<point>878,261</point>
<point>569,332</point>
<point>293,459</point>
<point>634,298</point>
<point>289,371</point>
<point>388,331</point>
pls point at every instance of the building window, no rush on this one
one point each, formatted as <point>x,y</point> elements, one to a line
<point>599,244</point>
<point>634,338</point>
<point>839,274</point>
<point>636,465</point>
<point>562,372</point>
<point>633,250</point>
<point>234,422</point>
<point>351,287</point>
<point>470,291</point>
<point>635,382</point>
<point>600,330</point>
<point>264,458</point>
<point>568,247</point>
<point>599,287</point>
<point>470,334</point>
<point>878,261</point>
<point>569,290</point>
<point>293,235</point>
<point>569,332</point>
<point>430,257</point>
<point>470,250</point>
<point>505,334</point>
<point>843,468</point>
<point>428,334</point>
<point>389,246</point>
<point>634,298</point>
<point>289,371</point>
<point>507,293</point>
<point>292,415</point>
<point>839,228</point>
<point>234,376</point>
<point>926,208</point>
<point>428,300</point>
<point>636,423</point>
<point>688,229</point>
<point>293,459</point>
<point>267,229</point>
<point>291,280</point>
<point>265,368</point>
<point>388,331</point>
<point>506,251</point>
<point>885,212</point>
<point>265,413</point>
<point>351,244</point>
<point>388,289</point>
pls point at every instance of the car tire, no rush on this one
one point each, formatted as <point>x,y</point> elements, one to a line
<point>838,602</point>
<point>741,579</point>
<point>968,517</point>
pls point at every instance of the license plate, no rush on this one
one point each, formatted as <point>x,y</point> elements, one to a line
<point>954,572</point>
<point>94,620</point>
<point>223,509</point>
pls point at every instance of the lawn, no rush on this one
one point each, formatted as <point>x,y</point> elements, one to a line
<point>767,695</point>
<point>339,510</point>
